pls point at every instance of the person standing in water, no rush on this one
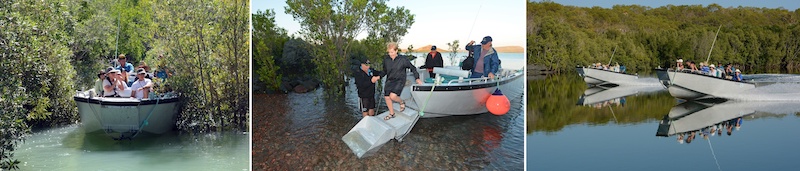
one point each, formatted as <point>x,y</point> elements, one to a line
<point>487,63</point>
<point>395,67</point>
<point>366,78</point>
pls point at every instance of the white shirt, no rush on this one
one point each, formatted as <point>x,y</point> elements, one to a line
<point>139,84</point>
<point>107,93</point>
<point>124,92</point>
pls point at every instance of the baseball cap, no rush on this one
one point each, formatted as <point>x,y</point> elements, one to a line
<point>486,39</point>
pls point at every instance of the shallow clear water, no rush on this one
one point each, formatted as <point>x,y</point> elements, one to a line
<point>69,148</point>
<point>304,131</point>
<point>564,136</point>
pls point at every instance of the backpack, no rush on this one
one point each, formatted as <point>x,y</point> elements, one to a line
<point>468,63</point>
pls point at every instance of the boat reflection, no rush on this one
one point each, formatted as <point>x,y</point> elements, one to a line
<point>601,96</point>
<point>702,119</point>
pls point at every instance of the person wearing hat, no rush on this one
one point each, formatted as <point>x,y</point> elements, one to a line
<point>98,84</point>
<point>395,65</point>
<point>142,86</point>
<point>737,76</point>
<point>434,59</point>
<point>113,86</point>
<point>366,78</point>
<point>487,63</point>
<point>679,65</point>
<point>124,67</point>
<point>712,70</point>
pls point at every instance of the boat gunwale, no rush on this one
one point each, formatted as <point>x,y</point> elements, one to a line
<point>465,86</point>
<point>688,72</point>
<point>636,75</point>
<point>133,102</point>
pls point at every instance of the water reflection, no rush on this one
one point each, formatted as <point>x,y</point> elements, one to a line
<point>705,119</point>
<point>600,96</point>
<point>565,136</point>
<point>551,103</point>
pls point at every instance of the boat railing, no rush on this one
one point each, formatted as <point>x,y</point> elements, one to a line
<point>697,72</point>
<point>505,74</point>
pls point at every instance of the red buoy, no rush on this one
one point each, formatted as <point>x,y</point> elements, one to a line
<point>498,103</point>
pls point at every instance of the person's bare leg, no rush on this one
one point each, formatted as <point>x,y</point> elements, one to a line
<point>146,93</point>
<point>389,105</point>
<point>364,114</point>
<point>371,112</point>
<point>397,99</point>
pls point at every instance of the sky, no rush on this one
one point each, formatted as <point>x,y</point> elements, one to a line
<point>438,22</point>
<point>790,5</point>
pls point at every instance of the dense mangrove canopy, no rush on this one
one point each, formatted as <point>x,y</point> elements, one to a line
<point>758,39</point>
<point>50,49</point>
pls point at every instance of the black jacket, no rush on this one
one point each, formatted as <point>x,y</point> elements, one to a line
<point>366,88</point>
<point>396,69</point>
<point>434,61</point>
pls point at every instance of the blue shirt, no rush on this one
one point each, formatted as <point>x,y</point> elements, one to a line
<point>128,67</point>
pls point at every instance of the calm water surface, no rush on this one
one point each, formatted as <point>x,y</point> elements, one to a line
<point>304,131</point>
<point>69,148</point>
<point>620,134</point>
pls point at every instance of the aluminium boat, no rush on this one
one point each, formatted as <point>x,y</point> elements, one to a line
<point>599,77</point>
<point>125,118</point>
<point>691,86</point>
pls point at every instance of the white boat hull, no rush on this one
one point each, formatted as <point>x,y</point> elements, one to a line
<point>463,98</point>
<point>691,86</point>
<point>121,117</point>
<point>594,76</point>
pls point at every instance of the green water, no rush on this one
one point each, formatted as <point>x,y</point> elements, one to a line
<point>70,148</point>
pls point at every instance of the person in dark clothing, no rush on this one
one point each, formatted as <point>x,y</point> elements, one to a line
<point>434,59</point>
<point>395,67</point>
<point>366,78</point>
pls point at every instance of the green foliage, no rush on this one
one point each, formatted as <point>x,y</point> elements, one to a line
<point>207,42</point>
<point>297,58</point>
<point>758,39</point>
<point>268,43</point>
<point>332,25</point>
<point>38,80</point>
<point>268,72</point>
<point>45,44</point>
<point>453,47</point>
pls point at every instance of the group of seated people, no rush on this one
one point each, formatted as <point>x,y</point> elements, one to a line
<point>711,130</point>
<point>615,68</point>
<point>114,82</point>
<point>728,72</point>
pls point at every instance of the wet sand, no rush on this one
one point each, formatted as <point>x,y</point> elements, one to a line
<point>304,131</point>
